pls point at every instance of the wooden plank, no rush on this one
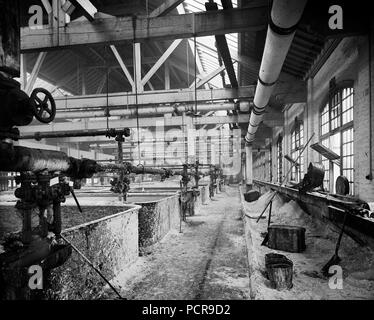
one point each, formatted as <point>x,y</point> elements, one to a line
<point>88,124</point>
<point>167,76</point>
<point>123,66</point>
<point>209,76</point>
<point>327,153</point>
<point>35,72</point>
<point>222,46</point>
<point>165,8</point>
<point>155,97</point>
<point>101,84</point>
<point>88,9</point>
<point>160,61</point>
<point>191,43</point>
<point>117,29</point>
<point>23,78</point>
<point>138,68</point>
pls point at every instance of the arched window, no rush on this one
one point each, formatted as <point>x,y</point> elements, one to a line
<point>297,143</point>
<point>279,159</point>
<point>337,134</point>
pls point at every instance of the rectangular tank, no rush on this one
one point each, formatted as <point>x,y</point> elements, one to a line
<point>106,235</point>
<point>157,216</point>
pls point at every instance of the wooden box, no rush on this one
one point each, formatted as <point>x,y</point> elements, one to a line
<point>251,196</point>
<point>286,238</point>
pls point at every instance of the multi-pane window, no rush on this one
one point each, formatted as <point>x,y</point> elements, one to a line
<point>297,142</point>
<point>325,120</point>
<point>270,160</point>
<point>337,135</point>
<point>279,159</point>
<point>326,165</point>
<point>347,156</point>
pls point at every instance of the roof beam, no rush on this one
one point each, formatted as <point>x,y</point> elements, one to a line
<point>154,97</point>
<point>160,61</point>
<point>209,76</point>
<point>88,124</point>
<point>63,81</point>
<point>116,29</point>
<point>167,76</point>
<point>198,62</point>
<point>35,72</point>
<point>191,43</point>
<point>222,45</point>
<point>88,9</point>
<point>102,82</point>
<point>138,67</point>
<point>123,66</point>
<point>165,8</point>
<point>288,91</point>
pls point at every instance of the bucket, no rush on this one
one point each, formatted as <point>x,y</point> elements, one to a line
<point>279,271</point>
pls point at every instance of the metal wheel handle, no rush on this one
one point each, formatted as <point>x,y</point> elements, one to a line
<point>43,104</point>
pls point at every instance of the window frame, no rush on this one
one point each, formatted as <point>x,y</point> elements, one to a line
<point>279,147</point>
<point>336,90</point>
<point>296,147</point>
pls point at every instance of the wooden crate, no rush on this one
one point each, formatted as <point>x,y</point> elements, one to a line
<point>286,238</point>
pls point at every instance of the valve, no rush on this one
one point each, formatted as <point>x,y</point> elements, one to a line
<point>43,105</point>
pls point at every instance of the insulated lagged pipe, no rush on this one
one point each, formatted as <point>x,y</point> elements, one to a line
<point>242,106</point>
<point>284,18</point>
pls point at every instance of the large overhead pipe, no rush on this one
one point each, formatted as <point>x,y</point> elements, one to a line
<point>242,106</point>
<point>23,159</point>
<point>248,166</point>
<point>110,133</point>
<point>284,18</point>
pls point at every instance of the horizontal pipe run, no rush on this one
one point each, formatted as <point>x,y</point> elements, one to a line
<point>79,133</point>
<point>21,159</point>
<point>134,169</point>
<point>242,106</point>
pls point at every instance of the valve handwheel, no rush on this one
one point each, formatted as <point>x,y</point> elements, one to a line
<point>43,104</point>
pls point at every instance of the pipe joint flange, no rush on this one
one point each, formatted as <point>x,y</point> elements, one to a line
<point>258,111</point>
<point>280,30</point>
<point>247,141</point>
<point>266,84</point>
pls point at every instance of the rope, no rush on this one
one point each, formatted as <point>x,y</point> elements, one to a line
<point>195,52</point>
<point>136,87</point>
<point>188,64</point>
<point>107,91</point>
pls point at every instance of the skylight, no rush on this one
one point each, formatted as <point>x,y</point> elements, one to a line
<point>206,48</point>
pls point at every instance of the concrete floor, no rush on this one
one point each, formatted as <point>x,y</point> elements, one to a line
<point>206,261</point>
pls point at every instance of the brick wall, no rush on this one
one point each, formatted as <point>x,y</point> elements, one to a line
<point>349,61</point>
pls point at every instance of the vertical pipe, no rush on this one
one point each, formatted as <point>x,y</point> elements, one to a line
<point>120,139</point>
<point>248,166</point>
<point>57,221</point>
<point>370,175</point>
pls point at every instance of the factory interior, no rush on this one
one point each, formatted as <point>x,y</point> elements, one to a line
<point>186,150</point>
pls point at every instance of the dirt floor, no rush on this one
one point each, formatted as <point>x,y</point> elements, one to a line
<point>308,282</point>
<point>208,260</point>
